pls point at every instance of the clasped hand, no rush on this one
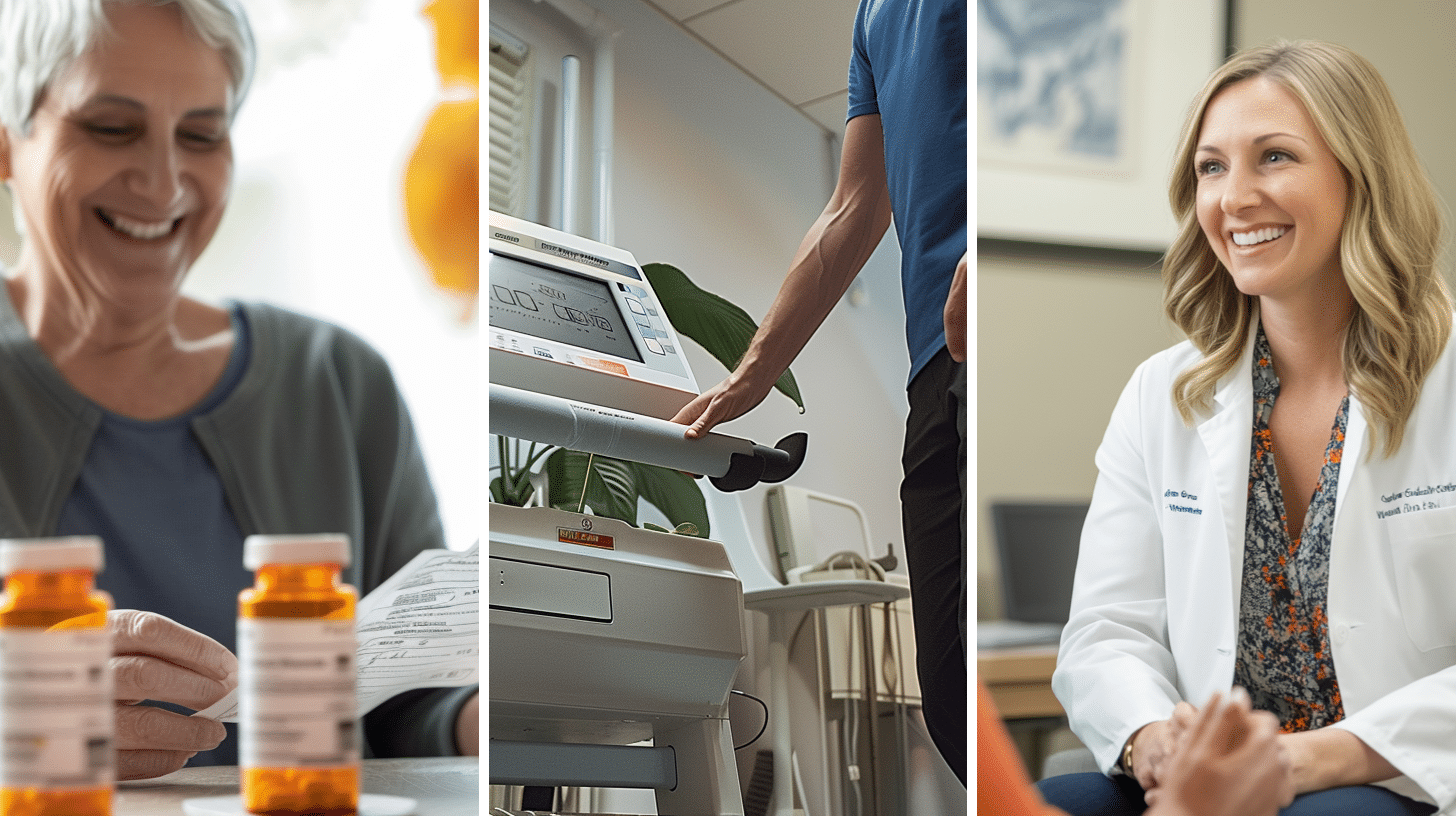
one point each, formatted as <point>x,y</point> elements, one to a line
<point>156,658</point>
<point>1223,759</point>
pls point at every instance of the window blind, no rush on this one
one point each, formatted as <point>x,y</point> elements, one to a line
<point>509,121</point>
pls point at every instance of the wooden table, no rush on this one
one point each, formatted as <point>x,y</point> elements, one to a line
<point>442,786</point>
<point>1020,680</point>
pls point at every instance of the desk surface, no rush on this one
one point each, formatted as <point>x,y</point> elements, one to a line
<point>443,786</point>
<point>1020,680</point>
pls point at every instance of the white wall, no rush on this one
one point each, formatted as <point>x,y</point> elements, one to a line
<point>720,178</point>
<point>316,224</point>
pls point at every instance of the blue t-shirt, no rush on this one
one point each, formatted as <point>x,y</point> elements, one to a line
<point>909,66</point>
<point>171,541</point>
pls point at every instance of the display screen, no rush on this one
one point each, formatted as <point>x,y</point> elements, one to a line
<point>556,305</point>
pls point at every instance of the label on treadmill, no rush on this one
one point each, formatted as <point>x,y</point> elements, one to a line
<point>603,365</point>
<point>586,538</point>
<point>585,258</point>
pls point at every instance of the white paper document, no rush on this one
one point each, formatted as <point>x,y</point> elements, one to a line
<point>418,629</point>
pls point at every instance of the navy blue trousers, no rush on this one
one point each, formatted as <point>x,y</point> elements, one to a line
<point>1092,794</point>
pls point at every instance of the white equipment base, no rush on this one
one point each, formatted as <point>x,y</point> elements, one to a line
<point>604,636</point>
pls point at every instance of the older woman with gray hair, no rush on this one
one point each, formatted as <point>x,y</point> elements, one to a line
<point>169,427</point>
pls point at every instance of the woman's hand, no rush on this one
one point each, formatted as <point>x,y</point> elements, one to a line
<point>1228,761</point>
<point>1154,743</point>
<point>156,658</point>
<point>467,727</point>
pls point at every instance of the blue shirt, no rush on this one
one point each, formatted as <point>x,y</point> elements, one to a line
<point>172,544</point>
<point>909,66</point>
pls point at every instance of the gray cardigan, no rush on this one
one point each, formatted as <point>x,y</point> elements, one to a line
<point>314,438</point>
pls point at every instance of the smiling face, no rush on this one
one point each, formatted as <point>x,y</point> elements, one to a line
<point>124,176</point>
<point>1270,193</point>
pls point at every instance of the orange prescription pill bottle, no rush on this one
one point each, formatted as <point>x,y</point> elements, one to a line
<point>57,715</point>
<point>299,740</point>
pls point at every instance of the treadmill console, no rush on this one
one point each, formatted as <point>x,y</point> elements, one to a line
<point>577,319</point>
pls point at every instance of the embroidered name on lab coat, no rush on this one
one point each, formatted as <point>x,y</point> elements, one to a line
<point>1414,500</point>
<point>1181,501</point>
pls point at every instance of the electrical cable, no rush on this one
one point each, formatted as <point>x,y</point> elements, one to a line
<point>799,782</point>
<point>891,671</point>
<point>761,728</point>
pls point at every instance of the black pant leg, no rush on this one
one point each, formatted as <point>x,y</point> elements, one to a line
<point>933,509</point>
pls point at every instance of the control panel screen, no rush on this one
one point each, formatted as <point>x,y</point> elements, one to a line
<point>555,305</point>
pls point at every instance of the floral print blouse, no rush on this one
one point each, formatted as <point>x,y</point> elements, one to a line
<point>1283,655</point>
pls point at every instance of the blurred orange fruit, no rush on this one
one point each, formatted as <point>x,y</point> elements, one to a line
<point>442,195</point>
<point>457,40</point>
<point>442,179</point>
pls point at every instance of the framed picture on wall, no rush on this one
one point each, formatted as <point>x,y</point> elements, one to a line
<point>1079,105</point>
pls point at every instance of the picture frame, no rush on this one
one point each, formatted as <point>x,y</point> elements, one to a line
<point>1079,107</point>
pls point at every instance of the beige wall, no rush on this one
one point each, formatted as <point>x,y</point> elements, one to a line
<point>1058,336</point>
<point>1408,41</point>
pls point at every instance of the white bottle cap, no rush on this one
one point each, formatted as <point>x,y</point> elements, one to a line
<point>50,554</point>
<point>320,548</point>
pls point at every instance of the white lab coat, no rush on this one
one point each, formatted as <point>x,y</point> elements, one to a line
<point>1154,615</point>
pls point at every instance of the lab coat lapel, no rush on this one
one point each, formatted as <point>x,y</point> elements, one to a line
<point>1352,455</point>
<point>1226,434</point>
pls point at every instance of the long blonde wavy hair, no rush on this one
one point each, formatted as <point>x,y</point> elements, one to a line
<point>1389,243</point>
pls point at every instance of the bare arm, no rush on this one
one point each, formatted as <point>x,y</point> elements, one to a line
<point>831,254</point>
<point>1333,757</point>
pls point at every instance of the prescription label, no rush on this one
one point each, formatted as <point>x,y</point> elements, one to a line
<point>296,687</point>
<point>56,715</point>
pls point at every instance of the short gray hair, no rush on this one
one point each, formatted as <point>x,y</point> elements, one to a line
<point>40,38</point>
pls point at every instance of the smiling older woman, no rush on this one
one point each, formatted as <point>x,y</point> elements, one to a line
<point>170,427</point>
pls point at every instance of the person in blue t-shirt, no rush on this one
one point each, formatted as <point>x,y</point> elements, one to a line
<point>904,157</point>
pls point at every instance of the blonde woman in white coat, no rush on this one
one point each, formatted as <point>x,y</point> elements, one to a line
<point>1276,499</point>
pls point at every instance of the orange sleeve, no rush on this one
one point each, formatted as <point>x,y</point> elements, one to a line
<point>1002,785</point>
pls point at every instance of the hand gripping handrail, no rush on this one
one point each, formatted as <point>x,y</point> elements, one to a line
<point>731,463</point>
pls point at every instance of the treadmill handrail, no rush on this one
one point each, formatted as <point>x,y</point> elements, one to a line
<point>732,463</point>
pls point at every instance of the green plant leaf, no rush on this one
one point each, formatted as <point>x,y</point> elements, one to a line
<point>676,494</point>
<point>684,529</point>
<point>721,328</point>
<point>614,486</point>
<point>513,485</point>
<point>517,494</point>
<point>611,489</point>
